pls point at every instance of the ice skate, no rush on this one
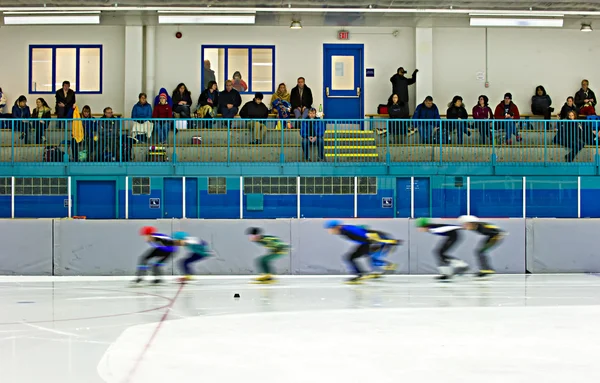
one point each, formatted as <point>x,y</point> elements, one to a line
<point>157,281</point>
<point>375,275</point>
<point>264,279</point>
<point>184,279</point>
<point>459,267</point>
<point>483,274</point>
<point>390,267</point>
<point>358,280</point>
<point>136,282</point>
<point>446,273</point>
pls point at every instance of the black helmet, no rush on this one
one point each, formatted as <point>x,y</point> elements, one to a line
<point>253,231</point>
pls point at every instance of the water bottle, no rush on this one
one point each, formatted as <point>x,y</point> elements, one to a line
<point>320,112</point>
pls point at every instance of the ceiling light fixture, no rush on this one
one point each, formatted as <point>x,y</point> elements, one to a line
<point>207,19</point>
<point>51,20</point>
<point>502,22</point>
<point>296,25</point>
<point>586,28</point>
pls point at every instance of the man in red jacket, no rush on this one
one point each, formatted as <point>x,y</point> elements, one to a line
<point>507,110</point>
<point>161,128</point>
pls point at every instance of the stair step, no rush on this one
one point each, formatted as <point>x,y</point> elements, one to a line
<point>351,147</point>
<point>352,155</point>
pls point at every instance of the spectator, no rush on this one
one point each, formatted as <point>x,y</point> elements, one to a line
<point>43,112</point>
<point>208,102</point>
<point>585,99</point>
<point>239,84</point>
<point>90,134</point>
<point>182,101</point>
<point>566,108</point>
<point>109,131</point>
<point>209,74</point>
<point>483,112</point>
<point>2,101</point>
<point>430,112</point>
<point>280,102</point>
<point>397,110</point>
<point>509,112</point>
<point>540,103</point>
<point>229,101</point>
<point>400,85</point>
<point>142,110</point>
<point>312,131</point>
<point>301,99</point>
<point>21,110</point>
<point>163,111</point>
<point>169,99</point>
<point>256,110</point>
<point>65,101</point>
<point>570,135</point>
<point>456,111</point>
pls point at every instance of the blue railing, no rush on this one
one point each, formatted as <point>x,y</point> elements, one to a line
<point>326,142</point>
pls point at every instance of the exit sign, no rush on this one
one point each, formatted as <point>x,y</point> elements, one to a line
<point>343,35</point>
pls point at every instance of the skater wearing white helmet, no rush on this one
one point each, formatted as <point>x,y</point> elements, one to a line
<point>492,233</point>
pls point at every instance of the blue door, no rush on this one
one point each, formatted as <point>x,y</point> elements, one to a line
<point>173,195</point>
<point>191,197</point>
<point>422,197</point>
<point>343,67</point>
<point>97,199</point>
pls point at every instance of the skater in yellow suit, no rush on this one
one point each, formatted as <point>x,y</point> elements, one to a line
<point>276,247</point>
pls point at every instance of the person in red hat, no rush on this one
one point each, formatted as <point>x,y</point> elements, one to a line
<point>162,248</point>
<point>163,111</point>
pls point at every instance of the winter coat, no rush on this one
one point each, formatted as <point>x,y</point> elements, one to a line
<point>90,127</point>
<point>18,112</point>
<point>424,113</point>
<point>582,95</point>
<point>47,113</point>
<point>69,100</point>
<point>142,111</point>
<point>564,111</point>
<point>539,104</point>
<point>400,85</point>
<point>162,111</point>
<point>232,97</point>
<point>482,113</point>
<point>514,111</point>
<point>177,97</point>
<point>398,110</point>
<point>312,127</point>
<point>456,113</point>
<point>169,99</point>
<point>305,102</point>
<point>207,95</point>
<point>253,110</point>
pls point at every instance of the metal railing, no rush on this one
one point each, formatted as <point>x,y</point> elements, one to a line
<point>323,142</point>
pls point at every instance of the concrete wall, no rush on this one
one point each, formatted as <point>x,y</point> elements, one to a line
<point>66,247</point>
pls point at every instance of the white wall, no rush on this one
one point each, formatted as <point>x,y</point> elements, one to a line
<point>14,59</point>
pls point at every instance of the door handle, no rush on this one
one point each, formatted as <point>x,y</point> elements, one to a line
<point>358,91</point>
<point>327,91</point>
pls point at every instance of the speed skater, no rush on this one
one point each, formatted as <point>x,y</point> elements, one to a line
<point>380,250</point>
<point>276,249</point>
<point>161,249</point>
<point>492,236</point>
<point>368,242</point>
<point>198,251</point>
<point>448,265</point>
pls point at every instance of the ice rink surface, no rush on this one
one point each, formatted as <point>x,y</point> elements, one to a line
<point>514,328</point>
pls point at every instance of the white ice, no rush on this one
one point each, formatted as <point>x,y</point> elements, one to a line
<point>537,328</point>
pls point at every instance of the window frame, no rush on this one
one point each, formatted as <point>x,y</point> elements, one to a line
<point>216,188</point>
<point>77,48</point>
<point>141,186</point>
<point>226,66</point>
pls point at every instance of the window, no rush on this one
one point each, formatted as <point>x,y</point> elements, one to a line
<point>34,186</point>
<point>50,65</point>
<point>217,185</point>
<point>270,185</point>
<point>140,186</point>
<point>255,64</point>
<point>309,185</point>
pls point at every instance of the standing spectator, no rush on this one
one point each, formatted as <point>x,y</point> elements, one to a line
<point>21,110</point>
<point>229,101</point>
<point>280,102</point>
<point>142,111</point>
<point>90,135</point>
<point>430,112</point>
<point>585,99</point>
<point>567,107</point>
<point>540,103</point>
<point>312,131</point>
<point>208,102</point>
<point>301,99</point>
<point>163,111</point>
<point>456,111</point>
<point>182,101</point>
<point>239,84</point>
<point>483,113</point>
<point>400,84</point>
<point>397,110</point>
<point>65,101</point>
<point>2,101</point>
<point>509,112</point>
<point>209,74</point>
<point>256,110</point>
<point>43,112</point>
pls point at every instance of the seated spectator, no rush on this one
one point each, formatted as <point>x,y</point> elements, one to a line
<point>301,99</point>
<point>182,101</point>
<point>509,112</point>
<point>239,84</point>
<point>482,111</point>
<point>65,101</point>
<point>163,111</point>
<point>566,108</point>
<point>43,112</point>
<point>256,110</point>
<point>142,112</point>
<point>456,111</point>
<point>427,111</point>
<point>585,99</point>
<point>540,103</point>
<point>280,102</point>
<point>208,102</point>
<point>21,111</point>
<point>229,101</point>
<point>109,131</point>
<point>312,131</point>
<point>570,135</point>
<point>397,110</point>
<point>169,99</point>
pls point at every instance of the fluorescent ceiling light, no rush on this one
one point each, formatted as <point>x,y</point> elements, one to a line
<point>51,13</point>
<point>50,20</point>
<point>206,12</point>
<point>502,22</point>
<point>206,19</point>
<point>515,14</point>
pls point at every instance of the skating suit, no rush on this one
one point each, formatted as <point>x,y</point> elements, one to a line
<point>162,242</point>
<point>274,244</point>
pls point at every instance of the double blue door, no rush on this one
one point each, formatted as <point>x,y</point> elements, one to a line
<point>173,194</point>
<point>343,68</point>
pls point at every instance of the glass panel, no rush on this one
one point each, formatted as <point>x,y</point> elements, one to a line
<point>551,197</point>
<point>342,72</point>
<point>41,70</point>
<point>89,70</point>
<point>214,65</point>
<point>237,61</point>
<point>262,70</point>
<point>497,197</point>
<point>65,67</point>
<point>590,203</point>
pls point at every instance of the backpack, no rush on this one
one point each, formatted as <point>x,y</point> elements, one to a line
<point>53,154</point>
<point>382,109</point>
<point>157,154</point>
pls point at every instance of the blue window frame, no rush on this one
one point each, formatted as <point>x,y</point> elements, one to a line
<point>46,73</point>
<point>256,64</point>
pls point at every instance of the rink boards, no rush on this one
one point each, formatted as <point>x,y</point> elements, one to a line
<point>112,247</point>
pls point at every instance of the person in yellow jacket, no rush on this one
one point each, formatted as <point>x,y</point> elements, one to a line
<point>77,136</point>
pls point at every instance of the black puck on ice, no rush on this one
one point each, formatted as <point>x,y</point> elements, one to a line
<point>236,295</point>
